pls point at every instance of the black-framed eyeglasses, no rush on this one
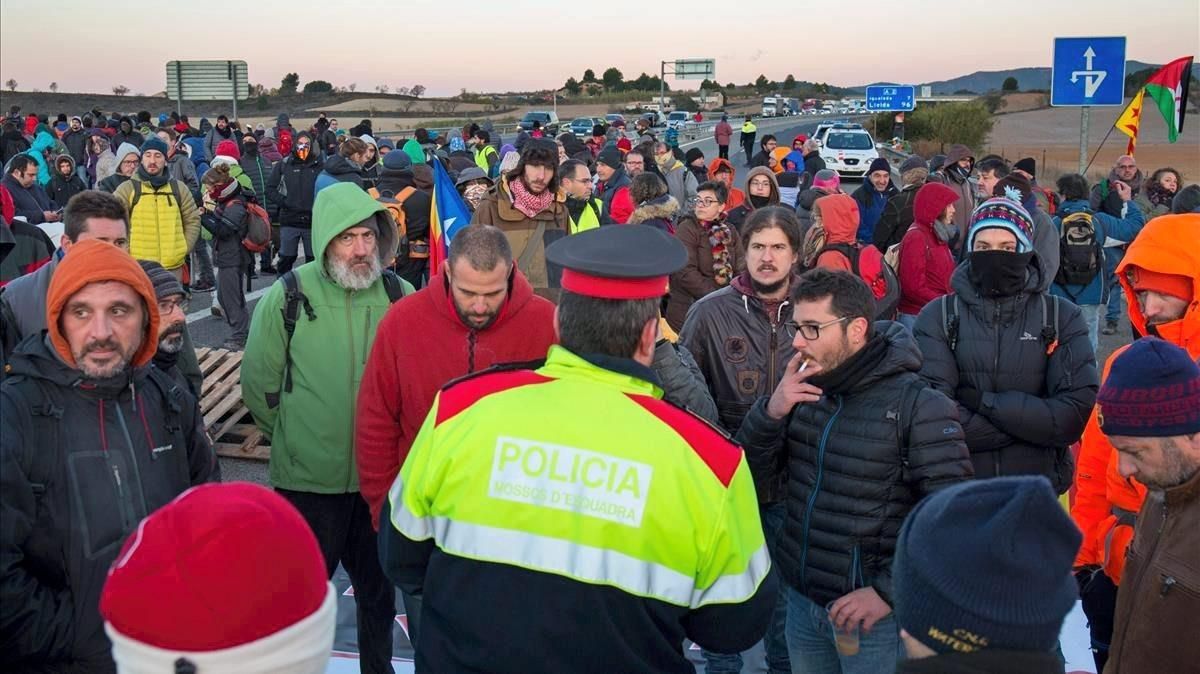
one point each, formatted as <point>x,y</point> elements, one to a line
<point>707,202</point>
<point>809,331</point>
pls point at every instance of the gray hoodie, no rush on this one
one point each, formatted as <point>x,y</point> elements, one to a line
<point>181,169</point>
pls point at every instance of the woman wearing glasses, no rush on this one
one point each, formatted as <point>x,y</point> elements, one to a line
<point>714,255</point>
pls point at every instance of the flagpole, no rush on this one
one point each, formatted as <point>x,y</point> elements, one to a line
<point>1089,164</point>
<point>1110,130</point>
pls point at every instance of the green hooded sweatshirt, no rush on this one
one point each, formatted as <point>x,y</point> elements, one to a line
<point>413,149</point>
<point>312,428</point>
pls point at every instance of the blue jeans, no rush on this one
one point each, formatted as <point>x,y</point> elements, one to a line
<point>1115,296</point>
<point>1091,315</point>
<point>772,515</point>
<point>812,650</point>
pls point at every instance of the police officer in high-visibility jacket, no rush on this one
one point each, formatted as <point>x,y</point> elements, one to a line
<point>566,518</point>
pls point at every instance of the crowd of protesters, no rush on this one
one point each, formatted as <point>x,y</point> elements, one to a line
<point>883,387</point>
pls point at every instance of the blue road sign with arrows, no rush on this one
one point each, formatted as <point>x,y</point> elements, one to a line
<point>1088,71</point>
<point>891,98</point>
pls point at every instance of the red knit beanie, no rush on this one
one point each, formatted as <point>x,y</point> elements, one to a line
<point>221,566</point>
<point>228,148</point>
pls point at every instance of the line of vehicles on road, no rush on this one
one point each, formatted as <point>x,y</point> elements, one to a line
<point>777,105</point>
<point>846,147</point>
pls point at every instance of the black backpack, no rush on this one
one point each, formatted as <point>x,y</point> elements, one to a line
<point>294,298</point>
<point>1080,250</point>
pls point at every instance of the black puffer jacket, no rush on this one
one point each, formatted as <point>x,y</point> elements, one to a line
<point>292,188</point>
<point>897,217</point>
<point>1030,406</point>
<point>72,492</point>
<point>742,350</point>
<point>847,489</point>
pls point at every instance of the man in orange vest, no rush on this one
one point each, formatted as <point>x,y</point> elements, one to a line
<point>1160,275</point>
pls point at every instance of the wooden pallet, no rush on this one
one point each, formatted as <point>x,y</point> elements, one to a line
<point>226,417</point>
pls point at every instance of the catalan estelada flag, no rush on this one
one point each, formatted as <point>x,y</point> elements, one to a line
<point>447,215</point>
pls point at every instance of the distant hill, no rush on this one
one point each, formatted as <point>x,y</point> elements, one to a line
<point>983,81</point>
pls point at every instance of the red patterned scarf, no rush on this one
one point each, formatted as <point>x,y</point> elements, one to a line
<point>527,202</point>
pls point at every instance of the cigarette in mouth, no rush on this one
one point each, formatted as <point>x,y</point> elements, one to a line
<point>802,366</point>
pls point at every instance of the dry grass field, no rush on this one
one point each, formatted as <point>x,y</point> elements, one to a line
<point>1051,136</point>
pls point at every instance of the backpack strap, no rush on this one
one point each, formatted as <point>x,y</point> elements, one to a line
<point>47,412</point>
<point>949,305</point>
<point>172,394</point>
<point>1050,327</point>
<point>137,192</point>
<point>393,285</point>
<point>404,194</point>
<point>850,251</point>
<point>294,298</point>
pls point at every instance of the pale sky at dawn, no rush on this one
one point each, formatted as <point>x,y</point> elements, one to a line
<point>522,45</point>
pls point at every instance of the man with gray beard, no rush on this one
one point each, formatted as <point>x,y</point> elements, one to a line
<point>308,345</point>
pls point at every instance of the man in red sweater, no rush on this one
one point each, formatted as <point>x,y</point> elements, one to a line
<point>479,311</point>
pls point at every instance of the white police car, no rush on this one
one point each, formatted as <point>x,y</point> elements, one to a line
<point>848,149</point>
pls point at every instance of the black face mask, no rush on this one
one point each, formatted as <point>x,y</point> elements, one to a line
<point>999,273</point>
<point>759,202</point>
<point>250,149</point>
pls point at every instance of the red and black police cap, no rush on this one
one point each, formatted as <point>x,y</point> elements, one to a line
<point>618,262</point>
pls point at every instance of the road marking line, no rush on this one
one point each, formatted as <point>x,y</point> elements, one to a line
<point>207,311</point>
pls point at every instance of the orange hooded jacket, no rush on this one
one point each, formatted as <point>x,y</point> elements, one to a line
<point>839,217</point>
<point>1105,502</point>
<point>736,196</point>
<point>779,153</point>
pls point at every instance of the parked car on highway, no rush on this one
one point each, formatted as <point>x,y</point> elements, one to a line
<point>614,118</point>
<point>847,150</point>
<point>824,127</point>
<point>548,119</point>
<point>654,118</point>
<point>582,126</point>
<point>680,119</point>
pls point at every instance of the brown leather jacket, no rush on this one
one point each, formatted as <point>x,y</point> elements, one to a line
<point>1158,607</point>
<point>742,349</point>
<point>497,210</point>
